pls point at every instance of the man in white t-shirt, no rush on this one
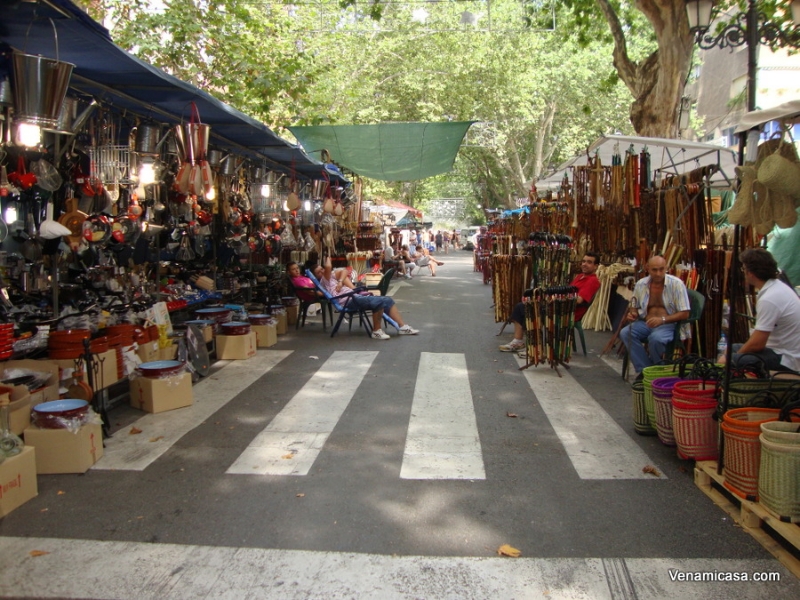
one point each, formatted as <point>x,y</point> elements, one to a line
<point>776,336</point>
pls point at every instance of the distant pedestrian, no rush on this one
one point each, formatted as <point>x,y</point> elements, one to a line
<point>439,241</point>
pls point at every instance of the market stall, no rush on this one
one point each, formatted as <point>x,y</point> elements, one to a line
<point>130,199</point>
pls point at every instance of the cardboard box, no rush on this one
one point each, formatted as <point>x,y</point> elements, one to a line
<point>49,391</point>
<point>208,333</point>
<point>106,376</point>
<point>266,335</point>
<point>147,352</point>
<point>291,314</point>
<point>159,395</point>
<point>19,410</point>
<point>18,480</point>
<point>283,322</point>
<point>62,451</point>
<point>168,353</point>
<point>236,347</point>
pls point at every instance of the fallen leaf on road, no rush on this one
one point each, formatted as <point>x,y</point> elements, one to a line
<point>314,357</point>
<point>290,455</point>
<point>512,415</point>
<point>38,553</point>
<point>155,439</point>
<point>499,370</point>
<point>301,495</point>
<point>60,493</point>
<point>651,470</point>
<point>134,431</point>
<point>506,550</point>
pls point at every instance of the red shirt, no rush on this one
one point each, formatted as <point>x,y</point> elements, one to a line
<point>587,287</point>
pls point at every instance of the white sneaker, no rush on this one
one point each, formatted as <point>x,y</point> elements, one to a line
<point>407,330</point>
<point>378,334</point>
<point>513,346</point>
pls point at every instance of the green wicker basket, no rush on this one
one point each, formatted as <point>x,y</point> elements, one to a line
<point>641,423</point>
<point>779,478</point>
<point>742,391</point>
<point>649,374</point>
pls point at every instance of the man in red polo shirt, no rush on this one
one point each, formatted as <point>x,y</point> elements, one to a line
<point>586,282</point>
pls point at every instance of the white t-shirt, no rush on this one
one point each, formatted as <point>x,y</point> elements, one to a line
<point>388,253</point>
<point>778,313</point>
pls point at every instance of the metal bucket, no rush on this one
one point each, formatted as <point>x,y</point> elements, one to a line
<point>256,174</point>
<point>228,166</point>
<point>214,158</point>
<point>181,147</point>
<point>69,109</point>
<point>147,138</point>
<point>6,98</point>
<point>40,85</point>
<point>318,188</point>
<point>197,134</point>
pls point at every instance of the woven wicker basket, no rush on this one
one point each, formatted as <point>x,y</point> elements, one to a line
<point>641,423</point>
<point>696,431</point>
<point>662,399</point>
<point>695,390</point>
<point>779,478</point>
<point>742,391</point>
<point>649,374</point>
<point>741,430</point>
<point>781,432</point>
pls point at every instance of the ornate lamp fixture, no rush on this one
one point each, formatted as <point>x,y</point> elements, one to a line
<point>699,13</point>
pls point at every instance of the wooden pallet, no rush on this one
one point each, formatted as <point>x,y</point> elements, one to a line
<point>752,517</point>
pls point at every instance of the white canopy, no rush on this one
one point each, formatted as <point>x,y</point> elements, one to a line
<point>788,112</point>
<point>666,156</point>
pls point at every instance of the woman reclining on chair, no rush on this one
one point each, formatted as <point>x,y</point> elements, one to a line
<point>377,304</point>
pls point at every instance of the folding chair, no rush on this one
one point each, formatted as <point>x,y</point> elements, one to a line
<point>347,310</point>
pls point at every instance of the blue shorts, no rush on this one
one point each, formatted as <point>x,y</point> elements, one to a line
<point>372,302</point>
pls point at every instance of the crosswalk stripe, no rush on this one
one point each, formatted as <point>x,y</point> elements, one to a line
<point>442,440</point>
<point>94,569</point>
<point>290,444</point>
<point>596,445</point>
<point>161,431</point>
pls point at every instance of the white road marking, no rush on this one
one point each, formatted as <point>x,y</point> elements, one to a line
<point>290,444</point>
<point>596,445</point>
<point>393,287</point>
<point>161,431</point>
<point>93,569</point>
<point>442,440</point>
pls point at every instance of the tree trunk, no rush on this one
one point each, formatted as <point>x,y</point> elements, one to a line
<point>657,82</point>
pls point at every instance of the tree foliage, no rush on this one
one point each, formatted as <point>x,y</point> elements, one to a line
<point>538,97</point>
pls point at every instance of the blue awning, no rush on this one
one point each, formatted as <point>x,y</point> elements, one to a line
<point>120,80</point>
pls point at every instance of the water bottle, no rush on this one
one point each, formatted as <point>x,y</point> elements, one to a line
<point>722,347</point>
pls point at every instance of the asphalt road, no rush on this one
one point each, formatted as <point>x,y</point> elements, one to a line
<point>347,467</point>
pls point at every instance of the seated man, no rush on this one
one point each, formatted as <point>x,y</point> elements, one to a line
<point>661,300</point>
<point>392,259</point>
<point>586,282</point>
<point>423,258</point>
<point>776,334</point>
<point>377,304</point>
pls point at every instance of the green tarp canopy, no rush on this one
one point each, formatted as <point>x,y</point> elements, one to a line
<point>388,151</point>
